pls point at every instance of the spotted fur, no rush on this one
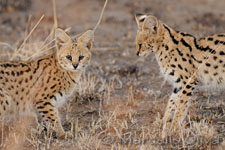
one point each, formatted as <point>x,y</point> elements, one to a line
<point>47,82</point>
<point>184,60</point>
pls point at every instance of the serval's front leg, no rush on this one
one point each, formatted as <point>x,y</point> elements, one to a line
<point>183,101</point>
<point>170,109</point>
<point>49,113</point>
<point>178,105</point>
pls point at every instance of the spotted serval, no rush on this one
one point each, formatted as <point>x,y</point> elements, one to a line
<point>47,82</point>
<point>184,60</point>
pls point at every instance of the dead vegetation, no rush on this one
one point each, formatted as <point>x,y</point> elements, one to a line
<point>107,111</point>
<point>99,119</point>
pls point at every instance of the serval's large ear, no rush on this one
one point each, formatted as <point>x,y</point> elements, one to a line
<point>61,38</point>
<point>151,24</point>
<point>140,18</point>
<point>87,39</point>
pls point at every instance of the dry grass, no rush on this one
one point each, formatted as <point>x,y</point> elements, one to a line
<point>15,135</point>
<point>100,119</point>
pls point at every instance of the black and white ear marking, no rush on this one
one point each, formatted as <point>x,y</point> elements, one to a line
<point>61,38</point>
<point>140,18</point>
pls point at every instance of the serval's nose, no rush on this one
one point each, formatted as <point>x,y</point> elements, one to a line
<point>75,66</point>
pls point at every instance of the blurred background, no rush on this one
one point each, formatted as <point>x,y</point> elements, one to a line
<point>118,26</point>
<point>135,79</point>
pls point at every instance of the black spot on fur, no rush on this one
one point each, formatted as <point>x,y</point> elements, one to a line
<point>166,47</point>
<point>171,73</point>
<point>190,62</point>
<point>181,77</point>
<point>48,103</point>
<point>175,90</point>
<point>188,86</point>
<point>179,52</point>
<point>222,53</point>
<point>52,87</point>
<point>219,42</point>
<point>189,94</point>
<point>174,66</point>
<point>215,74</point>
<point>40,107</point>
<point>179,66</point>
<point>184,92</point>
<point>184,59</point>
<point>44,112</point>
<point>216,42</point>
<point>52,97</point>
<point>210,39</point>
<point>178,80</point>
<point>207,64</point>
<point>221,35</point>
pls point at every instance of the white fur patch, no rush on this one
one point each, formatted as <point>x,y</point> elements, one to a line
<point>61,100</point>
<point>143,16</point>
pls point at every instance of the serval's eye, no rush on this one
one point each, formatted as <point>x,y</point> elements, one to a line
<point>69,57</point>
<point>81,57</point>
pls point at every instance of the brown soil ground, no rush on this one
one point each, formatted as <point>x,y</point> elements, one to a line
<point>137,80</point>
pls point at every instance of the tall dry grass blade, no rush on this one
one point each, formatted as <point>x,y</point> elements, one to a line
<point>6,44</point>
<point>50,36</point>
<point>46,45</point>
<point>27,26</point>
<point>100,18</point>
<point>27,37</point>
<point>97,24</point>
<point>50,50</point>
<point>55,16</point>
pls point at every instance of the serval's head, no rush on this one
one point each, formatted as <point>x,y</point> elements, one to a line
<point>74,55</point>
<point>147,34</point>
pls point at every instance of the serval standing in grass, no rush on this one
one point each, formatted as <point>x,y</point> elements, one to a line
<point>48,81</point>
<point>184,60</point>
